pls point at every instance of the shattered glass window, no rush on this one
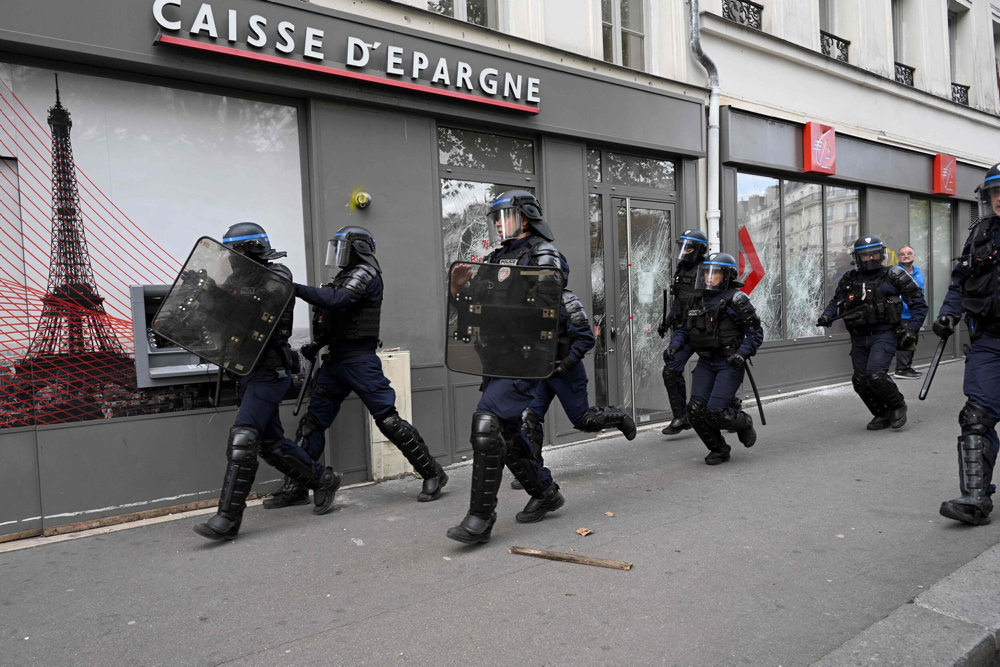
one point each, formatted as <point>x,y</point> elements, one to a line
<point>487,152</point>
<point>803,217</point>
<point>641,172</point>
<point>599,302</point>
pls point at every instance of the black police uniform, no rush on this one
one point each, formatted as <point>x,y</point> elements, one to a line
<point>257,428</point>
<point>870,300</point>
<point>693,246</point>
<point>723,328</point>
<point>346,316</point>
<point>496,436</point>
<point>975,291</point>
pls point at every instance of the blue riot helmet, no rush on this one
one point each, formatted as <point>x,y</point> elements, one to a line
<point>718,273</point>
<point>989,191</point>
<point>692,245</point>
<point>508,209</point>
<point>868,253</point>
<point>250,239</point>
<point>351,245</point>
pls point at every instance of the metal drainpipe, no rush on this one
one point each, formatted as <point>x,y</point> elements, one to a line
<point>712,212</point>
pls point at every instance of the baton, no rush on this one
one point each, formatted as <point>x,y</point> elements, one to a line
<point>218,389</point>
<point>760,408</point>
<point>932,369</point>
<point>309,380</point>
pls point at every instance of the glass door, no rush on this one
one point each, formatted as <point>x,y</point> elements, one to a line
<point>642,275</point>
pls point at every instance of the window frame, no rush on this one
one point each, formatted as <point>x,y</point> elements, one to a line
<point>617,29</point>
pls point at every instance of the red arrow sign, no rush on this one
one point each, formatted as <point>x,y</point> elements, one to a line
<point>756,268</point>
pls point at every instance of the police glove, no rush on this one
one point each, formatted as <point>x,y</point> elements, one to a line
<point>944,325</point>
<point>563,367</point>
<point>309,351</point>
<point>824,321</point>
<point>737,360</point>
<point>907,341</point>
<point>670,353</point>
<point>661,329</point>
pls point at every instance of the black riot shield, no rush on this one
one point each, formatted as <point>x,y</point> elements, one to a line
<point>503,321</point>
<point>223,306</point>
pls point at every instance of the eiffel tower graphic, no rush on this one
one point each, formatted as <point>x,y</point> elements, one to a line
<point>74,357</point>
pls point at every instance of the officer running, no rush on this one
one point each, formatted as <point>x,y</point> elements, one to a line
<point>524,236</point>
<point>693,245</point>
<point>975,291</point>
<point>723,328</point>
<point>870,300</point>
<point>257,427</point>
<point>346,315</point>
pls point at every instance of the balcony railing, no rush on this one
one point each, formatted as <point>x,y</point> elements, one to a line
<point>960,94</point>
<point>904,74</point>
<point>833,46</point>
<point>743,12</point>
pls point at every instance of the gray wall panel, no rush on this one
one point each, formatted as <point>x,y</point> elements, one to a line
<point>430,417</point>
<point>20,495</point>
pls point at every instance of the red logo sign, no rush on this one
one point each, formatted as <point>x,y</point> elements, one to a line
<point>945,168</point>
<point>756,268</point>
<point>819,150</point>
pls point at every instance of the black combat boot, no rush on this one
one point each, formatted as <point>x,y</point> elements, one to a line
<point>290,493</point>
<point>431,489</point>
<point>241,454</point>
<point>676,425</point>
<point>974,470</point>
<point>473,529</point>
<point>878,423</point>
<point>537,508</point>
<point>324,491</point>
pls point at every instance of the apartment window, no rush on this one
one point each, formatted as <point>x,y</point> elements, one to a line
<point>477,12</point>
<point>958,52</point>
<point>903,72</point>
<point>801,234</point>
<point>622,31</point>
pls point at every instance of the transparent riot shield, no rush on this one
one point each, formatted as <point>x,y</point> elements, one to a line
<point>223,306</point>
<point>503,321</point>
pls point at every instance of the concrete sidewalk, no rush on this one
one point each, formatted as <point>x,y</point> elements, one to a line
<point>821,543</point>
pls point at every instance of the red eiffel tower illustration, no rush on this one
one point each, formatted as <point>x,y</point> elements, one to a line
<point>74,359</point>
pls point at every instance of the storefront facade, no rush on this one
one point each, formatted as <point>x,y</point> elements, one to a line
<point>793,222</point>
<point>190,116</point>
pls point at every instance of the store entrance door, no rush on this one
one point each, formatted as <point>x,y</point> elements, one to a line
<point>640,234</point>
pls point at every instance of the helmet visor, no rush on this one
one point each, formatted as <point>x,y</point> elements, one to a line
<point>688,248</point>
<point>505,224</point>
<point>867,258</point>
<point>989,197</point>
<point>338,252</point>
<point>713,278</point>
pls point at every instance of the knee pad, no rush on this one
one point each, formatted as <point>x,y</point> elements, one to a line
<point>859,381</point>
<point>975,419</point>
<point>486,433</point>
<point>307,426</point>
<point>530,419</point>
<point>391,425</point>
<point>696,411</point>
<point>243,443</point>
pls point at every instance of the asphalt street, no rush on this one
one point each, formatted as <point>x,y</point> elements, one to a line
<point>822,542</point>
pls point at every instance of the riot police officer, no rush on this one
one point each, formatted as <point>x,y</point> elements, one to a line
<point>257,428</point>
<point>869,298</point>
<point>693,245</point>
<point>569,383</point>
<point>524,239</point>
<point>346,315</point>
<point>723,328</point>
<point>975,291</point>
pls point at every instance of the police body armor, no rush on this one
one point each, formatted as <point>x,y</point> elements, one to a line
<point>981,290</point>
<point>683,292</point>
<point>357,322</point>
<point>866,307</point>
<point>577,316</point>
<point>712,331</point>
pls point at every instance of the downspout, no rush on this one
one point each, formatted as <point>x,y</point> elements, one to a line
<point>712,212</point>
